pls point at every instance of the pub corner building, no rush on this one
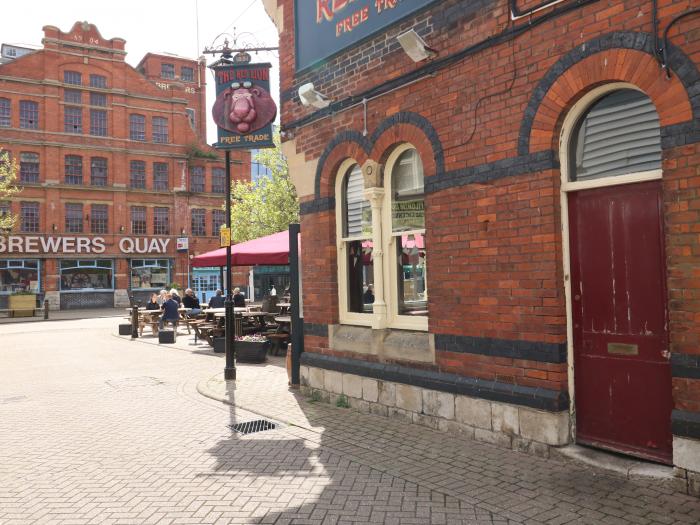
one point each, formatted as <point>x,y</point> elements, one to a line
<point>500,216</point>
<point>119,188</point>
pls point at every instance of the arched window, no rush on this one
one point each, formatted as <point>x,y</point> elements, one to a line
<point>407,251</point>
<point>355,245</point>
<point>618,135</point>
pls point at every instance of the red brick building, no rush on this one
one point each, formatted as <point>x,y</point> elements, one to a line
<point>500,225</point>
<point>114,168</point>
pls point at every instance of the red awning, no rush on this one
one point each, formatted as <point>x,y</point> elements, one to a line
<point>271,249</point>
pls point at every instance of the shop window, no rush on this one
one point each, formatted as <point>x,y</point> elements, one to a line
<point>137,174</point>
<point>28,167</point>
<point>5,113</point>
<point>218,180</point>
<point>98,171</point>
<point>98,99</point>
<point>356,244</point>
<point>19,275</point>
<point>73,169</point>
<point>72,77</point>
<point>149,274</point>
<point>160,176</point>
<point>74,217</point>
<point>98,218</point>
<point>408,234</point>
<point>72,119</point>
<point>72,96</point>
<point>186,74</point>
<point>138,220</point>
<point>98,122</point>
<point>161,221</point>
<point>98,81</point>
<point>87,275</point>
<point>137,127</point>
<point>167,71</point>
<point>29,217</point>
<point>197,179</point>
<point>218,219</point>
<point>160,130</point>
<point>618,135</point>
<point>199,222</point>
<point>28,114</point>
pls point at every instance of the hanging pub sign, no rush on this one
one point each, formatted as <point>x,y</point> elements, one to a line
<point>326,27</point>
<point>243,110</point>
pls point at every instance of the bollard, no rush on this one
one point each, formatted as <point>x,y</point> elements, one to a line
<point>46,309</point>
<point>204,297</point>
<point>134,322</point>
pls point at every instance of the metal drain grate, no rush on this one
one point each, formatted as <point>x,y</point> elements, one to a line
<point>250,427</point>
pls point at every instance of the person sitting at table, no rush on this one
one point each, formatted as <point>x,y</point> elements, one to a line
<point>153,304</point>
<point>238,298</point>
<point>217,301</point>
<point>175,296</point>
<point>190,301</point>
<point>161,297</point>
<point>170,312</point>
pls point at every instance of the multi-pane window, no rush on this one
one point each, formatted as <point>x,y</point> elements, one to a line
<point>28,167</point>
<point>98,122</point>
<point>218,219</point>
<point>191,117</point>
<point>98,81</point>
<point>72,77</point>
<point>161,221</point>
<point>187,74</point>
<point>138,220</point>
<point>5,113</point>
<point>28,114</point>
<point>74,169</point>
<point>98,218</point>
<point>5,211</point>
<point>197,178</point>
<point>98,171</point>
<point>72,96</point>
<point>218,180</point>
<point>199,222</point>
<point>74,217</point>
<point>160,130</point>
<point>29,217</point>
<point>72,119</point>
<point>160,176</point>
<point>137,127</point>
<point>167,70</point>
<point>98,99</point>
<point>137,174</point>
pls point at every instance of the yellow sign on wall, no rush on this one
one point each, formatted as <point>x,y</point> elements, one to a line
<point>225,237</point>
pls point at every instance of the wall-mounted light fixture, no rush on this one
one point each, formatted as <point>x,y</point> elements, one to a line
<point>121,228</point>
<point>182,231</point>
<point>310,97</point>
<point>414,46</point>
<point>54,227</point>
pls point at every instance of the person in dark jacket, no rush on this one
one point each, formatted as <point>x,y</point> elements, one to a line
<point>175,296</point>
<point>190,301</point>
<point>170,312</point>
<point>153,303</point>
<point>217,301</point>
<point>238,298</point>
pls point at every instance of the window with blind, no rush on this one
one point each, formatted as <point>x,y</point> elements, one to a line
<point>618,135</point>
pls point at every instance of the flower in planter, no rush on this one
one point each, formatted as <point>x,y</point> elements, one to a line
<point>252,338</point>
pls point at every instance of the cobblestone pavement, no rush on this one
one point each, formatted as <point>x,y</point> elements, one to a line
<point>100,429</point>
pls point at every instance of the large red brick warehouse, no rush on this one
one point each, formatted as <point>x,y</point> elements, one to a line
<point>500,204</point>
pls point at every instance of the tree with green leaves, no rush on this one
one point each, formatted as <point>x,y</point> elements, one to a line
<point>8,187</point>
<point>267,206</point>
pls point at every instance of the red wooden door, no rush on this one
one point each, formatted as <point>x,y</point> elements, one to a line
<point>618,294</point>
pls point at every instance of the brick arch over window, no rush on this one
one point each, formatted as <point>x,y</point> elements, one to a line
<point>615,57</point>
<point>345,145</point>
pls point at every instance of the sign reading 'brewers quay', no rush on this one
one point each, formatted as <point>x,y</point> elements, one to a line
<point>326,27</point>
<point>73,245</point>
<point>243,110</point>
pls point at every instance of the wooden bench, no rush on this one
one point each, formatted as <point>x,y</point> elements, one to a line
<point>277,340</point>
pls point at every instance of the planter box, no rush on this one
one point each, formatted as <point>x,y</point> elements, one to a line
<point>125,329</point>
<point>22,305</point>
<point>251,352</point>
<point>219,345</point>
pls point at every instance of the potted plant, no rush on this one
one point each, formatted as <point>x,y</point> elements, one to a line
<point>22,304</point>
<point>252,348</point>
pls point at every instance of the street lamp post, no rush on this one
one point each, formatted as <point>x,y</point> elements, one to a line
<point>230,368</point>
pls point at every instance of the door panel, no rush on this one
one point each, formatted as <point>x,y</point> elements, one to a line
<point>618,294</point>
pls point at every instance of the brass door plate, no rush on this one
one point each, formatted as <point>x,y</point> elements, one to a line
<point>623,349</point>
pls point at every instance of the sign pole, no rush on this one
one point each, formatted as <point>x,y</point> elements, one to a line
<point>230,368</point>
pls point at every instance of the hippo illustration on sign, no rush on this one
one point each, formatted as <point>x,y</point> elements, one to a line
<point>243,108</point>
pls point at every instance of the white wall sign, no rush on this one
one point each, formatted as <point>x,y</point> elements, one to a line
<point>76,245</point>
